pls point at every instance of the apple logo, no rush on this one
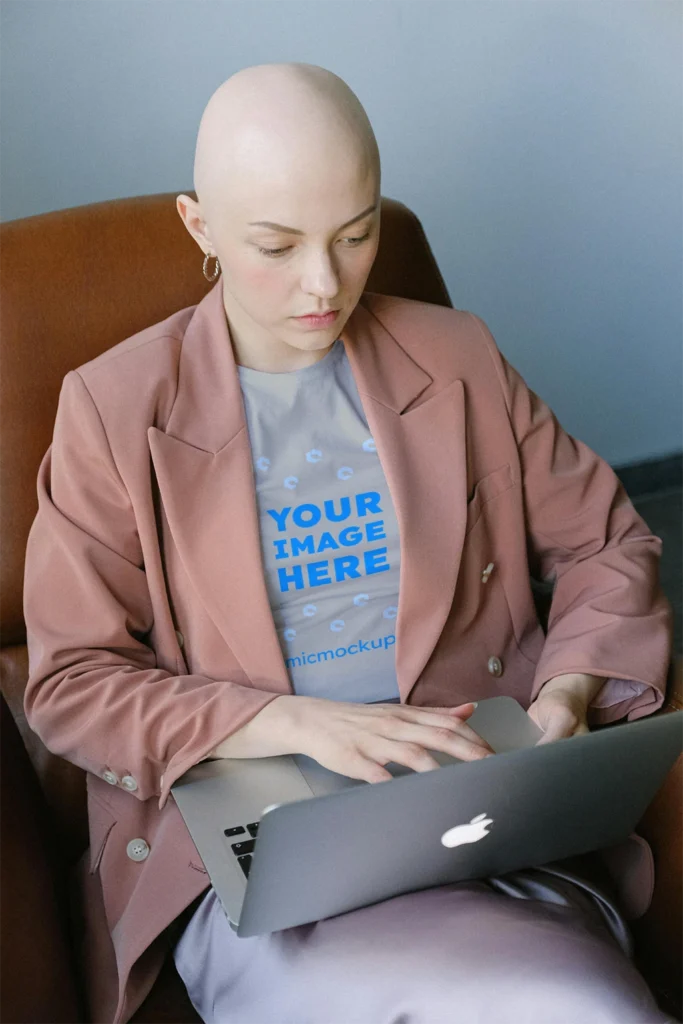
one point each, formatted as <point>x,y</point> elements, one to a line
<point>475,829</point>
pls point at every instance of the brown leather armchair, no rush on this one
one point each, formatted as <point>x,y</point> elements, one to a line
<point>74,283</point>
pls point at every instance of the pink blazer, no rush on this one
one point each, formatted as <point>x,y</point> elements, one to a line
<point>149,628</point>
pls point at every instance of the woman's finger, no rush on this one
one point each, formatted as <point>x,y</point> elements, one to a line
<point>462,712</point>
<point>468,733</point>
<point>367,769</point>
<point>412,755</point>
<point>459,710</point>
<point>432,726</point>
<point>447,740</point>
<point>432,720</point>
<point>560,722</point>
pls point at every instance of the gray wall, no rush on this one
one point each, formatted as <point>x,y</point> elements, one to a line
<point>539,142</point>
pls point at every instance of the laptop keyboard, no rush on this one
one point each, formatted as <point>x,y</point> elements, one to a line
<point>244,848</point>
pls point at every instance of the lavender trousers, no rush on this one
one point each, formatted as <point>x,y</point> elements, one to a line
<point>540,946</point>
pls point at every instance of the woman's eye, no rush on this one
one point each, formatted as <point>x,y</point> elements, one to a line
<point>272,252</point>
<point>275,253</point>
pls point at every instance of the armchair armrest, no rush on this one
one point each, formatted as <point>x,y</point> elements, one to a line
<point>37,972</point>
<point>658,935</point>
<point>674,690</point>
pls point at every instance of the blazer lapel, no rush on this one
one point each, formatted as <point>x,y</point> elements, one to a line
<point>419,430</point>
<point>203,465</point>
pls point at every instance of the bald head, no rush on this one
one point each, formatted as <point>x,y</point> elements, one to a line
<point>271,127</point>
<point>287,175</point>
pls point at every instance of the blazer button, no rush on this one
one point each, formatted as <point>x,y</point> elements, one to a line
<point>495,666</point>
<point>129,783</point>
<point>487,572</point>
<point>111,777</point>
<point>180,638</point>
<point>137,849</point>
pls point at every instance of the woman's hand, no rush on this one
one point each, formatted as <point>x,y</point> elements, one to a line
<point>357,739</point>
<point>562,704</point>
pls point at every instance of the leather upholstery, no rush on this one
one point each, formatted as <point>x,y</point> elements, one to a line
<point>130,263</point>
<point>36,962</point>
<point>659,934</point>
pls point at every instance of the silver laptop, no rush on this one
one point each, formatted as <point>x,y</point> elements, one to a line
<point>328,844</point>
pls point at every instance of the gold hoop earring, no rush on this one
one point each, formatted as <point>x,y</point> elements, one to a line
<point>217,268</point>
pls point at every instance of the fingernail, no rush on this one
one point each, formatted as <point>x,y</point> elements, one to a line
<point>474,703</point>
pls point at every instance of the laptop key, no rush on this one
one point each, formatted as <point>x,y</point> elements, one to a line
<point>246,847</point>
<point>236,831</point>
<point>253,828</point>
<point>245,864</point>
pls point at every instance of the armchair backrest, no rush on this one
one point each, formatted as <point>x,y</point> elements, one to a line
<point>74,283</point>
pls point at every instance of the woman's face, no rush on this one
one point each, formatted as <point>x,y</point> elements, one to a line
<point>314,261</point>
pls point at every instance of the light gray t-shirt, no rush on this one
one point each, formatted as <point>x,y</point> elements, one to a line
<point>329,534</point>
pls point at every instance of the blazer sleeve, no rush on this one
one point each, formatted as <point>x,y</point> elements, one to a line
<point>95,695</point>
<point>609,616</point>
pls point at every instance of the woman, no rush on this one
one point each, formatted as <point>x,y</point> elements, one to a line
<point>231,499</point>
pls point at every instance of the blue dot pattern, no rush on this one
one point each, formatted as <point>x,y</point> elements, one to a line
<point>328,528</point>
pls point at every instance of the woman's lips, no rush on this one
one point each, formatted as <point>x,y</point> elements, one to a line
<point>318,321</point>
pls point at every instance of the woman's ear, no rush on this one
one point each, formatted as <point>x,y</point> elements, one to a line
<point>190,213</point>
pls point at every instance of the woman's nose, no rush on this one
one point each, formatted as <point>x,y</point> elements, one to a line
<point>321,277</point>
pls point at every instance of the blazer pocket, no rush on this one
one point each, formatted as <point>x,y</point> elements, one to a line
<point>485,490</point>
<point>100,823</point>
